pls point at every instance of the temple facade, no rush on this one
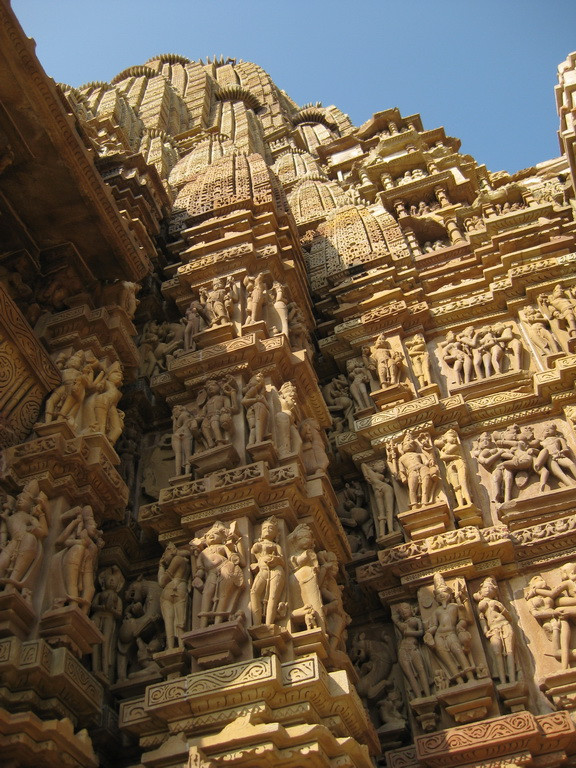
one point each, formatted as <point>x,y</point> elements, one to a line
<point>287,430</point>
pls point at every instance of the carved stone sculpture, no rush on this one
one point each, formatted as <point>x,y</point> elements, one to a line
<point>447,634</point>
<point>412,464</point>
<point>106,615</point>
<point>174,578</point>
<point>420,360</point>
<point>555,609</point>
<point>313,449</point>
<point>410,657</point>
<point>359,379</point>
<point>336,617</point>
<point>195,322</point>
<point>560,305</point>
<point>497,627</point>
<point>457,357</point>
<point>305,572</point>
<point>23,527</point>
<point>338,399</point>
<point>140,624</point>
<point>555,458</point>
<point>217,301</point>
<point>375,475</point>
<point>218,561</point>
<point>539,332</point>
<point>279,298</point>
<point>388,363</point>
<point>257,409</point>
<point>451,453</point>
<point>373,660</point>
<point>255,297</point>
<point>269,567</point>
<point>288,440</point>
<point>185,430</point>
<point>216,403</point>
<point>104,401</point>
<point>74,565</point>
<point>353,513</point>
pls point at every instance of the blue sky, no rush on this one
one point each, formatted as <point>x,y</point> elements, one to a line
<point>485,70</point>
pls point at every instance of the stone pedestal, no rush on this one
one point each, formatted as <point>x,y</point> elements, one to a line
<point>215,335</point>
<point>395,393</point>
<point>218,644</point>
<point>425,710</point>
<point>311,641</point>
<point>532,510</point>
<point>469,515</point>
<point>513,695</point>
<point>264,451</point>
<point>270,639</point>
<point>428,520</point>
<point>173,662</point>
<point>468,702</point>
<point>221,457</point>
<point>68,627</point>
<point>259,329</point>
<point>561,689</point>
<point>17,616</point>
<point>390,540</point>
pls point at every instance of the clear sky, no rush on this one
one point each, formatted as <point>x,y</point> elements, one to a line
<point>484,69</point>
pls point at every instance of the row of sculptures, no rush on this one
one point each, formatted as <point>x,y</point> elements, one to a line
<point>226,302</point>
<point>271,415</point>
<point>291,582</point>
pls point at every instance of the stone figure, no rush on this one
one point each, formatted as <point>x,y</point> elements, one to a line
<point>174,578</point>
<point>216,404</point>
<point>412,464</point>
<point>257,409</point>
<point>538,328</point>
<point>255,297</point>
<point>305,572</point>
<point>420,360</point>
<point>451,453</point>
<point>217,300</point>
<point>185,430</point>
<point>359,379</point>
<point>106,615</point>
<point>560,305</point>
<point>195,322</point>
<point>352,511</point>
<point>279,298</point>
<point>140,624</point>
<point>457,357</point>
<point>218,561</point>
<point>23,527</point>
<point>336,617</point>
<point>338,399</point>
<point>497,627</point>
<point>555,609</point>
<point>375,475</point>
<point>74,564</point>
<point>410,657</point>
<point>269,568</point>
<point>509,458</point>
<point>104,401</point>
<point>555,458</point>
<point>373,660</point>
<point>288,440</point>
<point>388,362</point>
<point>158,343</point>
<point>77,381</point>
<point>313,449</point>
<point>297,330</point>
<point>447,634</point>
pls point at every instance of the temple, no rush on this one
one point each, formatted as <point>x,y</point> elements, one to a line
<point>287,430</point>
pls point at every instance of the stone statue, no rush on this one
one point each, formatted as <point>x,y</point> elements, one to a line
<point>410,657</point>
<point>298,332</point>
<point>412,464</point>
<point>447,634</point>
<point>216,404</point>
<point>269,567</point>
<point>74,564</point>
<point>457,357</point>
<point>508,456</point>
<point>174,578</point>
<point>451,453</point>
<point>388,362</point>
<point>279,297</point>
<point>102,404</point>
<point>255,296</point>
<point>555,458</point>
<point>375,475</point>
<point>313,449</point>
<point>288,440</point>
<point>336,617</point>
<point>184,430</point>
<point>539,332</point>
<point>305,571</point>
<point>106,615</point>
<point>420,360</point>
<point>195,322</point>
<point>497,627</point>
<point>338,399</point>
<point>555,608</point>
<point>140,625</point>
<point>359,379</point>
<point>217,300</point>
<point>373,660</point>
<point>353,513</point>
<point>218,576</point>
<point>23,527</point>
<point>257,409</point>
<point>560,305</point>
<point>77,381</point>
